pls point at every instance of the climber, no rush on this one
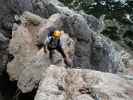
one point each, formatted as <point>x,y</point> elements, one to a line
<point>53,42</point>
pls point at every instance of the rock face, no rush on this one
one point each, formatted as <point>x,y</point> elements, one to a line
<point>45,8</point>
<point>31,75</point>
<point>85,46</point>
<point>119,24</point>
<point>22,47</point>
<point>81,84</point>
<point>8,10</point>
<point>92,50</point>
<point>83,35</point>
<point>30,61</point>
<point>107,55</point>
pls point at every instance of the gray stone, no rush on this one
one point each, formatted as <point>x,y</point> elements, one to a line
<point>96,25</point>
<point>32,74</point>
<point>87,50</point>
<point>83,97</point>
<point>30,62</point>
<point>108,56</point>
<point>23,47</point>
<point>60,83</point>
<point>19,6</point>
<point>83,34</point>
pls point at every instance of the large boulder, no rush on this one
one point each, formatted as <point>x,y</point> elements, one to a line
<point>108,56</point>
<point>79,30</point>
<point>7,11</point>
<point>60,83</point>
<point>28,63</point>
<point>22,46</point>
<point>45,8</point>
<point>93,50</point>
<point>70,21</point>
<point>29,60</point>
<point>90,50</point>
<point>33,73</point>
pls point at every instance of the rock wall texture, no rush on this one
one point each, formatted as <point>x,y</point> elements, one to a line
<point>24,46</point>
<point>81,84</point>
<point>29,65</point>
<point>45,8</point>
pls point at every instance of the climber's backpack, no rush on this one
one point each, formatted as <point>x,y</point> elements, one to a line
<point>53,43</point>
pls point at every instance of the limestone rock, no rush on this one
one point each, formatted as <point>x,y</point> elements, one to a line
<point>30,61</point>
<point>32,74</point>
<point>93,50</point>
<point>23,47</point>
<point>108,56</point>
<point>83,34</point>
<point>95,24</point>
<point>70,21</point>
<point>90,51</point>
<point>60,83</point>
<point>30,17</point>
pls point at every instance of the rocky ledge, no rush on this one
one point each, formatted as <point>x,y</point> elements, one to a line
<point>60,83</point>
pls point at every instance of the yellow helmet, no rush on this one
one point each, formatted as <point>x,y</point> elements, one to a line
<point>57,34</point>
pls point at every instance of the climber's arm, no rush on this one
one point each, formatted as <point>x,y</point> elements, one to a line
<point>45,44</point>
<point>62,45</point>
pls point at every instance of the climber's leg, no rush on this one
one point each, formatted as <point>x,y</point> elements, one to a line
<point>50,54</point>
<point>62,52</point>
<point>51,51</point>
<point>66,59</point>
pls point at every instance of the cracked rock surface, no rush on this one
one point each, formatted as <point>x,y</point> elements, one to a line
<point>89,50</point>
<point>81,84</point>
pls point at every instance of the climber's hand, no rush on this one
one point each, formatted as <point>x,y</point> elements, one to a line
<point>45,50</point>
<point>68,61</point>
